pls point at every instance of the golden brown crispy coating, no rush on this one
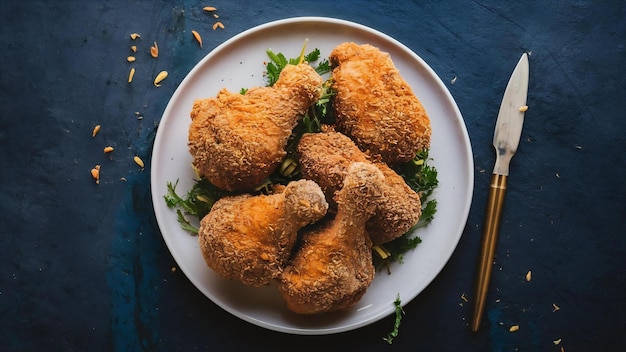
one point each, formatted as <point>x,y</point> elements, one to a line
<point>237,140</point>
<point>375,106</point>
<point>325,158</point>
<point>333,268</point>
<point>250,238</point>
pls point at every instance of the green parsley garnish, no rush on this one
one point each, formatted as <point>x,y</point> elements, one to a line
<point>278,62</point>
<point>419,175</point>
<point>396,325</point>
<point>197,202</point>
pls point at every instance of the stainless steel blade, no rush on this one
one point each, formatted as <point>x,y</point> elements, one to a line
<point>511,117</point>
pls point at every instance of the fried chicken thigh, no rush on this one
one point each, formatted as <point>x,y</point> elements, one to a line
<point>250,238</point>
<point>325,158</point>
<point>375,106</point>
<point>237,140</point>
<point>333,268</point>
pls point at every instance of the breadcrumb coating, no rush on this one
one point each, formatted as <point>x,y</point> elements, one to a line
<point>250,238</point>
<point>238,140</point>
<point>325,158</point>
<point>375,106</point>
<point>333,268</point>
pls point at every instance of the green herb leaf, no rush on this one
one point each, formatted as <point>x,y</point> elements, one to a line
<point>419,175</point>
<point>278,61</point>
<point>197,202</point>
<point>185,224</point>
<point>313,55</point>
<point>323,67</point>
<point>428,213</point>
<point>396,325</point>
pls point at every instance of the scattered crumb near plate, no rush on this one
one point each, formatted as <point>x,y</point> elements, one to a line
<point>528,275</point>
<point>463,297</point>
<point>555,307</point>
<point>514,328</point>
<point>557,341</point>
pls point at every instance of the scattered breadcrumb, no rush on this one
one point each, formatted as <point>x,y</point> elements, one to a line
<point>523,108</point>
<point>197,36</point>
<point>463,297</point>
<point>528,275</point>
<point>557,341</point>
<point>95,131</point>
<point>514,328</point>
<point>134,36</point>
<point>555,307</point>
<point>218,25</point>
<point>131,74</point>
<point>130,58</point>
<point>108,149</point>
<point>95,173</point>
<point>154,50</point>
<point>133,48</point>
<point>209,8</point>
<point>138,161</point>
<point>159,78</point>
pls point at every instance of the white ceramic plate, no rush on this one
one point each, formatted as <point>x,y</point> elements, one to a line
<point>239,63</point>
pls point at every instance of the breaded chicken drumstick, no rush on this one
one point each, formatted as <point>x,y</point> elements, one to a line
<point>237,140</point>
<point>325,158</point>
<point>250,238</point>
<point>333,268</point>
<point>375,106</point>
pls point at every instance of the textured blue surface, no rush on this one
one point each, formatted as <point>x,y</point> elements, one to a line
<point>84,267</point>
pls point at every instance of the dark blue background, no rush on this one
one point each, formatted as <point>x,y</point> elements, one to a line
<point>84,267</point>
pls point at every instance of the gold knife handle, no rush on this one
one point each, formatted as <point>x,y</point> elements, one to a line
<point>493,212</point>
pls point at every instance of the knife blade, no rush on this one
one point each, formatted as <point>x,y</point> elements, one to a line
<point>505,141</point>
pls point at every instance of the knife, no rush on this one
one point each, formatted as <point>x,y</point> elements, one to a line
<point>505,141</point>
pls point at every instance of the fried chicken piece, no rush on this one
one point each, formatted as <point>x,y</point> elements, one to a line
<point>237,140</point>
<point>333,268</point>
<point>250,238</point>
<point>375,106</point>
<point>325,158</point>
